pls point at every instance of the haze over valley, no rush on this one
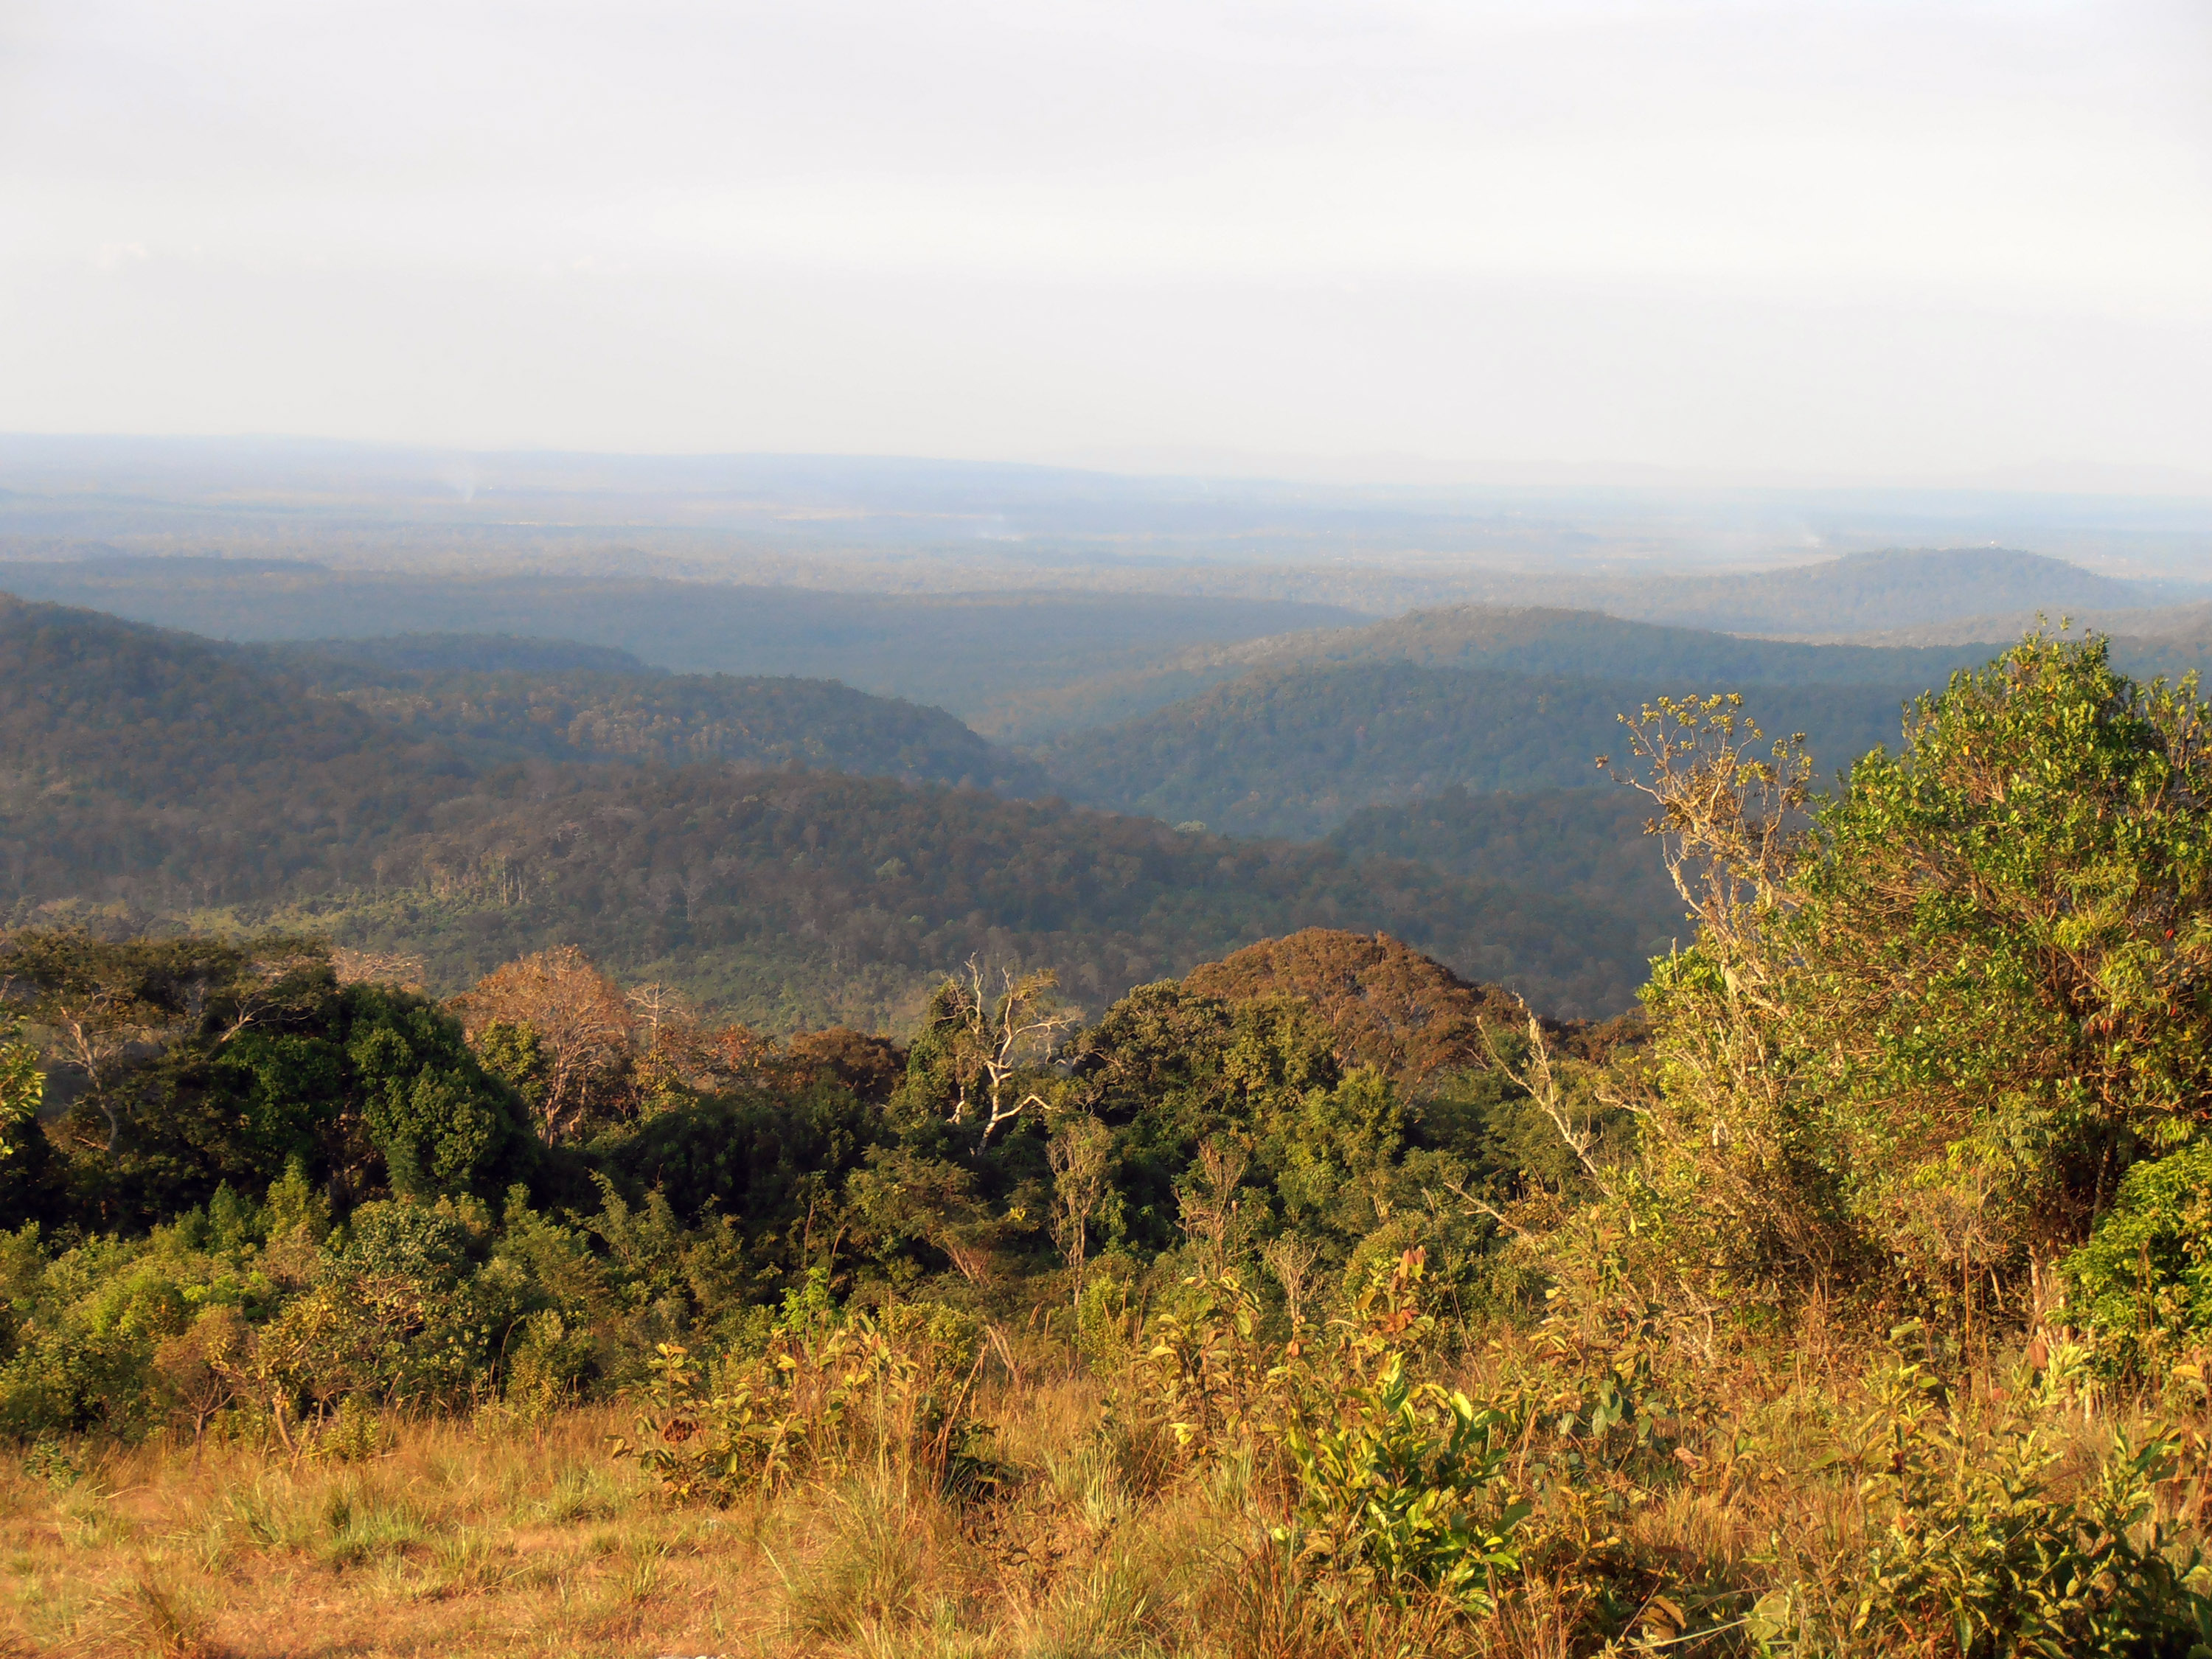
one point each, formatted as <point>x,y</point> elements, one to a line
<point>799,800</point>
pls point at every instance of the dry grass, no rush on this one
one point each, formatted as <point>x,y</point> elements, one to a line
<point>462,1542</point>
<point>456,1544</point>
<point>449,1544</point>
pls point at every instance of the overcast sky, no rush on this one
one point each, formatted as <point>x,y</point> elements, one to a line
<point>1855,241</point>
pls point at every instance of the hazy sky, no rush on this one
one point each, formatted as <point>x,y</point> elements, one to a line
<point>1858,240</point>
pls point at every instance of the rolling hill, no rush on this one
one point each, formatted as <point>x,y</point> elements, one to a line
<point>1588,845</point>
<point>1296,752</point>
<point>960,652</point>
<point>1895,587</point>
<point>1515,639</point>
<point>496,698</point>
<point>155,778</point>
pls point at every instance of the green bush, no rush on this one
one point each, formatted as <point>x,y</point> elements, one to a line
<point>2142,1283</point>
<point>1964,1535</point>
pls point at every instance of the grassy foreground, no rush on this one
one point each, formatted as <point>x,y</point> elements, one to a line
<point>452,1536</point>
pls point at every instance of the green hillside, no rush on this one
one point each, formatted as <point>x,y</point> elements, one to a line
<point>1893,587</point>
<point>377,660</point>
<point>1516,639</point>
<point>807,897</point>
<point>162,770</point>
<point>1296,752</point>
<point>505,699</point>
<point>1588,845</point>
<point>1588,643</point>
<point>157,779</point>
<point>961,652</point>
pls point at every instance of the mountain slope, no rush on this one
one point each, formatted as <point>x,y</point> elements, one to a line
<point>1518,639</point>
<point>142,764</point>
<point>960,652</point>
<point>153,777</point>
<point>1896,587</point>
<point>503,699</point>
<point>86,702</point>
<point>810,897</point>
<point>1588,845</point>
<point>1296,752</point>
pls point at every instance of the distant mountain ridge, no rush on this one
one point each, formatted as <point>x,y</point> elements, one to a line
<point>1589,641</point>
<point>1896,587</point>
<point>375,660</point>
<point>959,652</point>
<point>1591,845</point>
<point>1508,639</point>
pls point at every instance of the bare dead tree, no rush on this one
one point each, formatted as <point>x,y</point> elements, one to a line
<point>1290,1259</point>
<point>91,1032</point>
<point>404,968</point>
<point>1211,1212</point>
<point>997,1035</point>
<point>1534,1074</point>
<point>1730,815</point>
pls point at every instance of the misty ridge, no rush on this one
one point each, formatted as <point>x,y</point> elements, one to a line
<point>425,652</point>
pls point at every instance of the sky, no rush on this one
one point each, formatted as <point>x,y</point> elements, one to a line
<point>1856,243</point>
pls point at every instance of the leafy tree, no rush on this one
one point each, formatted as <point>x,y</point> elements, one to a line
<point>223,1062</point>
<point>1080,1156</point>
<point>31,1188</point>
<point>2142,1282</point>
<point>1929,1031</point>
<point>1387,1006</point>
<point>22,1089</point>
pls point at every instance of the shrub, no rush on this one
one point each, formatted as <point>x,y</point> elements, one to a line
<point>1965,1536</point>
<point>2142,1283</point>
<point>831,1390</point>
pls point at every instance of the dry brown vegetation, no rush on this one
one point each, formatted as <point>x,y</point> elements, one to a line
<point>484,1536</point>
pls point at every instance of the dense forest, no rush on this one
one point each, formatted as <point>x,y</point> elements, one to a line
<point>497,698</point>
<point>1028,661</point>
<point>157,775</point>
<point>961,652</point>
<point>1518,640</point>
<point>1845,1299</point>
<point>1588,845</point>
<point>1538,640</point>
<point>1295,751</point>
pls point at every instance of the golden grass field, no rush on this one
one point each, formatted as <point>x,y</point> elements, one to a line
<point>461,1542</point>
<point>464,1538</point>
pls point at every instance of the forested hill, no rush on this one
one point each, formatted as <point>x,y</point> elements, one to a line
<point>1536,639</point>
<point>1866,592</point>
<point>1510,639</point>
<point>385,659</point>
<point>154,778</point>
<point>813,898</point>
<point>162,717</point>
<point>1588,845</point>
<point>125,748</point>
<point>1296,752</point>
<point>961,651</point>
<point>497,698</point>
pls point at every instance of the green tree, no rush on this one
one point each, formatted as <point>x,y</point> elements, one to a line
<point>22,1090</point>
<point>1928,1030</point>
